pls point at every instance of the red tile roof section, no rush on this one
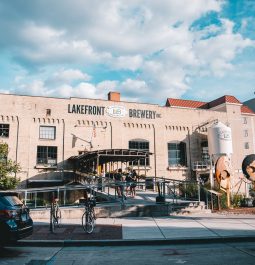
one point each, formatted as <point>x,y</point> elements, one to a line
<point>224,99</point>
<point>173,102</point>
<point>245,109</point>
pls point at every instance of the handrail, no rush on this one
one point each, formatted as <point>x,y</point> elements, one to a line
<point>169,188</point>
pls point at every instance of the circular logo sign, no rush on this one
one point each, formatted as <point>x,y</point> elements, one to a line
<point>224,135</point>
<point>116,111</point>
<point>248,167</point>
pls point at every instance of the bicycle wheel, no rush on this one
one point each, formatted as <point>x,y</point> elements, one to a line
<point>88,223</point>
<point>58,216</point>
<point>53,222</point>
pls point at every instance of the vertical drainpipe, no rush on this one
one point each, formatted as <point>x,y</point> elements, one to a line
<point>111,134</point>
<point>63,151</point>
<point>17,143</point>
<point>190,166</point>
<point>155,158</point>
<point>17,140</point>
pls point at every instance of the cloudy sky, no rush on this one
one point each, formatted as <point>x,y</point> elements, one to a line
<point>147,50</point>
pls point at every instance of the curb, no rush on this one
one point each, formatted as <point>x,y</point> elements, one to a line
<point>182,241</point>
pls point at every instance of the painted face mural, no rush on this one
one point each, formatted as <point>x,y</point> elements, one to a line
<point>223,171</point>
<point>248,167</point>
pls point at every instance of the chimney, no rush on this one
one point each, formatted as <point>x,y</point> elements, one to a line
<point>114,96</point>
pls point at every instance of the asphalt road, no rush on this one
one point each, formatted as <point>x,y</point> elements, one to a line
<point>210,254</point>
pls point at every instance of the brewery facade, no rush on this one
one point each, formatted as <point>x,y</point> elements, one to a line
<point>43,133</point>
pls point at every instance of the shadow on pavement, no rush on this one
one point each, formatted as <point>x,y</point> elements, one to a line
<point>76,232</point>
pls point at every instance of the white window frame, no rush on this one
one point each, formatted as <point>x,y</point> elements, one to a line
<point>47,134</point>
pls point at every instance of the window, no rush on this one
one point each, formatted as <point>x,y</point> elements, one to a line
<point>177,154</point>
<point>244,120</point>
<point>47,132</point>
<point>246,145</point>
<point>4,130</point>
<point>48,112</point>
<point>47,155</point>
<point>205,152</point>
<point>140,145</point>
<point>245,133</point>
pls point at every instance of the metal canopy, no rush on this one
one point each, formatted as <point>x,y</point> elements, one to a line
<point>112,155</point>
<point>93,159</point>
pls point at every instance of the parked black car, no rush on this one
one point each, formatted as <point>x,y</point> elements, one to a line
<point>15,221</point>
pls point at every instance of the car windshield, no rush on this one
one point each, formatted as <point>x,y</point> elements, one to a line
<point>11,200</point>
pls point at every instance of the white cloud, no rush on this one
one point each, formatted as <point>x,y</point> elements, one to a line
<point>39,35</point>
<point>34,88</point>
<point>134,86</point>
<point>217,53</point>
<point>127,62</point>
<point>107,85</point>
<point>67,76</point>
<point>82,90</point>
<point>151,38</point>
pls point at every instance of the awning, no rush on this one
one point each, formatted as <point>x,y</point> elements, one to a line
<point>101,157</point>
<point>112,155</point>
<point>33,183</point>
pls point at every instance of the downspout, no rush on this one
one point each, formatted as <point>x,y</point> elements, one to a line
<point>63,151</point>
<point>190,166</point>
<point>155,158</point>
<point>17,140</point>
<point>111,134</point>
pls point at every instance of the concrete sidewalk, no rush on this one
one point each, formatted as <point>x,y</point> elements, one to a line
<point>194,228</point>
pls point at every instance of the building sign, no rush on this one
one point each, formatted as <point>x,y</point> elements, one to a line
<point>225,135</point>
<point>113,111</point>
<point>116,111</point>
<point>86,109</point>
<point>143,114</point>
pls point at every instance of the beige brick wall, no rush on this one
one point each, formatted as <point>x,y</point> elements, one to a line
<point>26,114</point>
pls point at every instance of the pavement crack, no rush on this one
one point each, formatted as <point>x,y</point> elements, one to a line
<point>51,260</point>
<point>158,227</point>
<point>241,250</point>
<point>217,234</point>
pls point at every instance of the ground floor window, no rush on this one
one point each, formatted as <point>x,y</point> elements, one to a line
<point>143,145</point>
<point>177,154</point>
<point>4,130</point>
<point>47,155</point>
<point>205,152</point>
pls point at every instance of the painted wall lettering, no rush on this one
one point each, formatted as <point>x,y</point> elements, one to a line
<point>86,109</point>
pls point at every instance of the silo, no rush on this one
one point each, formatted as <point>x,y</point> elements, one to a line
<point>220,139</point>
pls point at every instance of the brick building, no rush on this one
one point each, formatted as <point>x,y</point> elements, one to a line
<point>43,133</point>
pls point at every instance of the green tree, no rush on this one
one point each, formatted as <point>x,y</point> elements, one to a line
<point>8,169</point>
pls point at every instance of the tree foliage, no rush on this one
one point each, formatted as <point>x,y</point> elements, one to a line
<point>8,169</point>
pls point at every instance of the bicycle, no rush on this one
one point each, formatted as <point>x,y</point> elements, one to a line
<point>89,218</point>
<point>55,215</point>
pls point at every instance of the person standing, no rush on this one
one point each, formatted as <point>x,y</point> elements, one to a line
<point>133,184</point>
<point>119,183</point>
<point>102,180</point>
<point>128,181</point>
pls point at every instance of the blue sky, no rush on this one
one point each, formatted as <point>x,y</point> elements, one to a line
<point>147,50</point>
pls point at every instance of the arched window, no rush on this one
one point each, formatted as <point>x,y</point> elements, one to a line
<point>140,144</point>
<point>177,154</point>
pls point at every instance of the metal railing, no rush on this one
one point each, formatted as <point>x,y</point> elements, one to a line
<point>105,191</point>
